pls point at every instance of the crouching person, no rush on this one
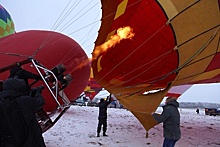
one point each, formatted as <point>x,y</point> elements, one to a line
<point>16,90</point>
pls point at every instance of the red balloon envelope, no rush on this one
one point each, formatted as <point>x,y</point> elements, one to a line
<point>49,49</point>
<point>93,88</point>
<point>176,42</point>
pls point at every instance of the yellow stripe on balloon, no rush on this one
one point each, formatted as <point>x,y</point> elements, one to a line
<point>98,64</point>
<point>121,8</point>
<point>169,7</point>
<point>207,75</point>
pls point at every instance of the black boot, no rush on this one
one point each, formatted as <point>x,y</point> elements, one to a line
<point>105,135</point>
<point>98,135</point>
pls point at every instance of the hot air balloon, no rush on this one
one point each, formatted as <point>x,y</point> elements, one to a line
<point>174,43</point>
<point>54,56</point>
<point>93,88</point>
<point>6,23</point>
<point>177,91</point>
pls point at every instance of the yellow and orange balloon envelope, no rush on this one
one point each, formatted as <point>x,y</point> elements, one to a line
<point>173,43</point>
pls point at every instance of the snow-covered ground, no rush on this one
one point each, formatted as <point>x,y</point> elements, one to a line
<point>77,128</point>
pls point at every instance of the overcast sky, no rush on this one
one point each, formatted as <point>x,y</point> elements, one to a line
<point>80,20</point>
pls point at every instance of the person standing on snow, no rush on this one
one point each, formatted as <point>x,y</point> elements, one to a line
<point>103,115</point>
<point>197,111</point>
<point>171,122</point>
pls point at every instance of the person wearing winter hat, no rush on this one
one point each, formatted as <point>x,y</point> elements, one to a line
<point>171,122</point>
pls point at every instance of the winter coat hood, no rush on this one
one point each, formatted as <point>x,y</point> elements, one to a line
<point>173,103</point>
<point>171,120</point>
<point>14,87</point>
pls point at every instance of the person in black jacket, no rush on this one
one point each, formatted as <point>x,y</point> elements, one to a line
<point>16,89</point>
<point>103,115</point>
<point>171,122</point>
<point>19,73</point>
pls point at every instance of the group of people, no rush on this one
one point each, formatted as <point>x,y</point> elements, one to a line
<point>170,118</point>
<point>17,88</point>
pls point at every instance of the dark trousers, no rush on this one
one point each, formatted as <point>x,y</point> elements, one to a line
<point>169,142</point>
<point>102,121</point>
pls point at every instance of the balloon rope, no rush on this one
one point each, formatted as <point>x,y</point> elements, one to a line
<point>186,63</point>
<point>86,38</point>
<point>184,10</point>
<point>13,54</point>
<point>74,20</point>
<point>156,60</point>
<point>65,59</point>
<point>84,27</point>
<point>200,34</point>
<point>164,76</point>
<point>200,50</point>
<point>63,16</point>
<point>132,52</point>
<point>69,55</point>
<point>58,22</point>
<point>50,37</point>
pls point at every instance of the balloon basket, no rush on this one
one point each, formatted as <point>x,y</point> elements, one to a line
<point>46,121</point>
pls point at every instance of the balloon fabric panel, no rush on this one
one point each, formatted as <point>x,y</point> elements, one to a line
<point>6,23</point>
<point>172,46</point>
<point>50,49</point>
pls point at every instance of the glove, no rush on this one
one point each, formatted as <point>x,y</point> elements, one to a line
<point>38,89</point>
